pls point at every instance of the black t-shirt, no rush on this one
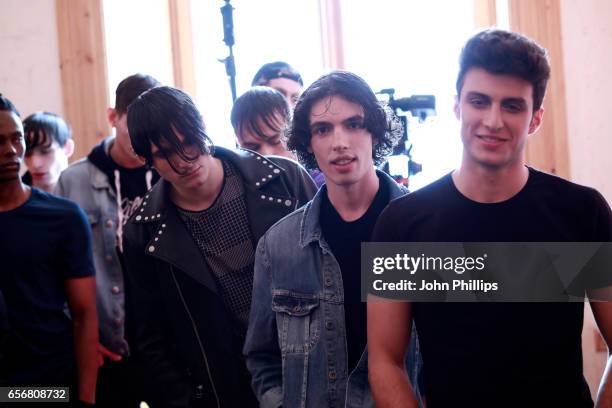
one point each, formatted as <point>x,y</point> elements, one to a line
<point>501,354</point>
<point>344,239</point>
<point>43,243</point>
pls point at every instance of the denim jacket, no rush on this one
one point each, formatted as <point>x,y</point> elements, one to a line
<point>85,184</point>
<point>296,342</point>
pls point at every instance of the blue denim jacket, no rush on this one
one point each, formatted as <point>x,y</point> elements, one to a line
<point>296,342</point>
<point>89,187</point>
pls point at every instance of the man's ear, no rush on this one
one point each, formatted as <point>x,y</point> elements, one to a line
<point>112,115</point>
<point>69,148</point>
<point>536,120</point>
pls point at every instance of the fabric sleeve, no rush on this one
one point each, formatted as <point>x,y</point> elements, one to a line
<point>76,246</point>
<point>147,335</point>
<point>263,355</point>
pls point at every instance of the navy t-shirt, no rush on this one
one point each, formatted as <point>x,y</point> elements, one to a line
<point>43,243</point>
<point>501,354</point>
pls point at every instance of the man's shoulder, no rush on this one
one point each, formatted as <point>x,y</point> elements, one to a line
<point>78,171</point>
<point>288,226</point>
<point>54,205</point>
<point>428,197</point>
<point>552,187</point>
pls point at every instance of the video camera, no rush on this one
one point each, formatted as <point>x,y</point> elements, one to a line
<point>400,164</point>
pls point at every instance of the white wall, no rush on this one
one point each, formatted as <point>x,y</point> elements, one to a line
<point>30,69</point>
<point>587,49</point>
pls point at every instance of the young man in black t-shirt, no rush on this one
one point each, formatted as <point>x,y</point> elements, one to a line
<point>493,354</point>
<point>307,332</point>
<point>45,248</point>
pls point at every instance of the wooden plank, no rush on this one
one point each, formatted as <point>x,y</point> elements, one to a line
<point>181,35</point>
<point>541,20</point>
<point>83,71</point>
<point>331,34</point>
<point>485,13</point>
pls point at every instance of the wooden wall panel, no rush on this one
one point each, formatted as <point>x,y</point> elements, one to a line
<point>541,20</point>
<point>83,71</point>
<point>181,36</point>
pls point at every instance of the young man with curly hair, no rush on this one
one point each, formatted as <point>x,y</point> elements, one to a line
<point>307,331</point>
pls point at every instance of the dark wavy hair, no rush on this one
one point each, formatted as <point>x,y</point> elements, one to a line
<point>379,119</point>
<point>161,113</point>
<point>42,128</point>
<point>503,52</point>
<point>260,103</point>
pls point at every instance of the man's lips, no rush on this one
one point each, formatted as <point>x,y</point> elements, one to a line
<point>9,166</point>
<point>38,175</point>
<point>491,140</point>
<point>344,160</point>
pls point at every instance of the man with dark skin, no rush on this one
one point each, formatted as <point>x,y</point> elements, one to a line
<point>46,245</point>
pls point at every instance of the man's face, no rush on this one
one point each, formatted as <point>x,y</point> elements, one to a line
<point>12,146</point>
<point>496,114</point>
<point>185,174</point>
<point>272,145</point>
<point>340,143</point>
<point>46,162</point>
<point>288,87</point>
<point>118,120</point>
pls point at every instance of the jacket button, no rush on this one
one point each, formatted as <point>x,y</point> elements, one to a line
<point>109,258</point>
<point>328,282</point>
<point>115,290</point>
<point>329,325</point>
<point>109,223</point>
<point>332,375</point>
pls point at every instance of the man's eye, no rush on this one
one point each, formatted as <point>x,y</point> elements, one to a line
<point>320,130</point>
<point>355,125</point>
<point>478,102</point>
<point>46,151</point>
<point>513,107</point>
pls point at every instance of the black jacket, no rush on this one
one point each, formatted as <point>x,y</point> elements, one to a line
<point>176,321</point>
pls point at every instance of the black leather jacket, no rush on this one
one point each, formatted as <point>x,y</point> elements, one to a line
<point>176,321</point>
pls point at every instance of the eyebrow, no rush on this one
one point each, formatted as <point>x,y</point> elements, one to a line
<point>517,100</point>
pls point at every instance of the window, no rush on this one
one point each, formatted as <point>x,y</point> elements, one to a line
<point>265,31</point>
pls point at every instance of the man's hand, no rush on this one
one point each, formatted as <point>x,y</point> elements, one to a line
<point>103,353</point>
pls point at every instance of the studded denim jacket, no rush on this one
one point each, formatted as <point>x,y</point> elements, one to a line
<point>296,342</point>
<point>176,319</point>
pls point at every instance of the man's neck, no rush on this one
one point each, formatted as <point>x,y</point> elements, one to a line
<point>490,185</point>
<point>352,201</point>
<point>13,194</point>
<point>124,159</point>
<point>202,197</point>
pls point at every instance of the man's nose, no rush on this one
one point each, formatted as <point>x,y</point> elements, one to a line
<point>340,139</point>
<point>493,119</point>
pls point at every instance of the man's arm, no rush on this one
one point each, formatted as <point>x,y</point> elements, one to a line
<point>389,327</point>
<point>263,356</point>
<point>146,327</point>
<point>81,294</point>
<point>603,316</point>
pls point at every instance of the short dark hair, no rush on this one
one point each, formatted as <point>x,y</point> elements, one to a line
<point>379,120</point>
<point>501,52</point>
<point>161,113</point>
<point>277,69</point>
<point>7,105</point>
<point>129,89</point>
<point>43,128</point>
<point>263,103</point>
